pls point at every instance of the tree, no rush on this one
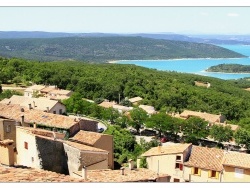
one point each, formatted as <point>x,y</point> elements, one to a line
<point>122,121</point>
<point>242,136</point>
<point>160,122</point>
<point>220,133</point>
<point>124,143</point>
<point>110,114</point>
<point>137,117</point>
<point>194,128</point>
<point>74,103</point>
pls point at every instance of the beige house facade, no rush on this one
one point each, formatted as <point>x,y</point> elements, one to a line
<point>169,160</point>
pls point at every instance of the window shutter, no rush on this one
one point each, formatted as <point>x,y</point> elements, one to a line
<point>181,166</point>
<point>217,175</point>
<point>192,170</point>
<point>209,173</point>
<point>199,172</point>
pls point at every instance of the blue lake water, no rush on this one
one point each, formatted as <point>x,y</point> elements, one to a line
<point>198,66</point>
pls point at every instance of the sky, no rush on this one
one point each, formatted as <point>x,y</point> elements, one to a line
<point>127,19</point>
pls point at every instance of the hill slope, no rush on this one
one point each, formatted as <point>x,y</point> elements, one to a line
<point>103,49</point>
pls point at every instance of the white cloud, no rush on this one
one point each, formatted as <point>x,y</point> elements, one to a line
<point>232,14</point>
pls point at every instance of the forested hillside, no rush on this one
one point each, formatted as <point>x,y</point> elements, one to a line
<point>103,49</point>
<point>167,91</point>
<point>230,68</point>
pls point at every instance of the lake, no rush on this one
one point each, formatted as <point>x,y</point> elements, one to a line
<point>198,66</point>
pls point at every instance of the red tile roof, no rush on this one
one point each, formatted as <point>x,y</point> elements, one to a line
<point>13,174</point>
<point>206,116</point>
<point>166,150</point>
<point>14,112</point>
<point>86,137</point>
<point>206,158</point>
<point>135,175</point>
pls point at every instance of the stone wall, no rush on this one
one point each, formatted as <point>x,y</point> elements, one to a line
<point>52,155</point>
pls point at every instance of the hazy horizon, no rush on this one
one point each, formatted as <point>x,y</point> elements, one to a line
<point>128,20</point>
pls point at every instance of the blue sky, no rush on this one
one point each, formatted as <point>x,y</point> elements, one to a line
<point>176,19</point>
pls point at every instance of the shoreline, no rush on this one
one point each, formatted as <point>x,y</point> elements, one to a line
<point>177,59</point>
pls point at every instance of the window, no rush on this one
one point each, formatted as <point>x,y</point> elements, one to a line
<point>239,173</point>
<point>196,171</point>
<point>179,166</point>
<point>54,112</point>
<point>213,174</point>
<point>178,157</point>
<point>26,145</point>
<point>8,128</point>
<point>176,180</point>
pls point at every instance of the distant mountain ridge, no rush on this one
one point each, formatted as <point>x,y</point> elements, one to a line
<point>103,49</point>
<point>210,39</point>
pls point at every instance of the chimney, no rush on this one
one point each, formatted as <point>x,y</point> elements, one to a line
<point>22,119</point>
<point>122,170</point>
<point>84,172</point>
<point>130,164</point>
<point>47,109</point>
<point>30,106</point>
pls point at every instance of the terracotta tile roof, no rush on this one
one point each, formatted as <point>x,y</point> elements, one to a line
<point>166,150</point>
<point>135,175</point>
<point>206,158</point>
<point>135,99</point>
<point>203,115</point>
<point>233,127</point>
<point>40,103</point>
<point>237,159</point>
<point>148,109</point>
<point>12,111</point>
<point>122,108</point>
<point>83,147</point>
<point>47,89</point>
<point>86,137</point>
<point>60,92</point>
<point>35,87</point>
<point>13,174</point>
<point>106,104</point>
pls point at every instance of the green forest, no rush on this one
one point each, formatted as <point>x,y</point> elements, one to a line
<point>104,49</point>
<point>230,68</point>
<point>167,91</point>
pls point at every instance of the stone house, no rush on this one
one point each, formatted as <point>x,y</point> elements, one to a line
<point>38,148</point>
<point>97,140</point>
